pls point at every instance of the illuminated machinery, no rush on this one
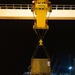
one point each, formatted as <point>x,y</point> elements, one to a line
<point>40,8</point>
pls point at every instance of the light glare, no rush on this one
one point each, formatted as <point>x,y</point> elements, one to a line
<point>70,67</point>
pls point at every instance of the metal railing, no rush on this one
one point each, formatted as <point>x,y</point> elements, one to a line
<point>28,6</point>
<point>63,7</point>
<point>15,6</point>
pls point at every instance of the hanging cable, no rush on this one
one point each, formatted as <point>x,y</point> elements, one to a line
<point>35,51</point>
<point>46,51</point>
<point>36,33</point>
<point>44,34</point>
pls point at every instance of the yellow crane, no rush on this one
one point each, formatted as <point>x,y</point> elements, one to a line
<point>40,8</point>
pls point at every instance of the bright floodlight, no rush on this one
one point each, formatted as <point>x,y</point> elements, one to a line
<point>70,67</point>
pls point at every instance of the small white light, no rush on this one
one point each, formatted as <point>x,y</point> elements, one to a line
<point>70,67</point>
<point>32,1</point>
<point>48,63</point>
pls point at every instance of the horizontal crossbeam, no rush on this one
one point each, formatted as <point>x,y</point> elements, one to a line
<point>23,12</point>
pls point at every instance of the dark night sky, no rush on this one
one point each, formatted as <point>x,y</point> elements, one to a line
<point>18,41</point>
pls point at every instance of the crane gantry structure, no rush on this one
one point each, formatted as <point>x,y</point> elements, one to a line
<point>23,12</point>
<point>40,11</point>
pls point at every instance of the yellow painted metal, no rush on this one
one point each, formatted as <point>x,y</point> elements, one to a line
<point>40,66</point>
<point>41,19</point>
<point>40,42</point>
<point>40,8</point>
